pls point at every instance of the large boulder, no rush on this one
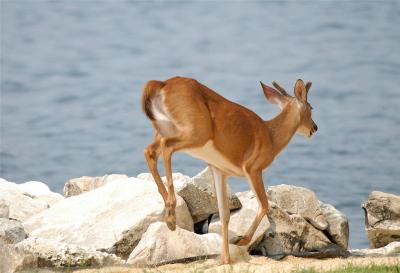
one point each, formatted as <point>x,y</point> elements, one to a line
<point>290,234</point>
<point>240,220</point>
<point>18,203</point>
<point>382,218</point>
<point>11,231</point>
<point>298,200</point>
<point>159,245</point>
<point>338,225</point>
<point>55,254</point>
<point>111,218</point>
<point>84,184</point>
<point>198,192</point>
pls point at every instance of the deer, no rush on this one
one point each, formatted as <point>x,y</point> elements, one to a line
<point>188,116</point>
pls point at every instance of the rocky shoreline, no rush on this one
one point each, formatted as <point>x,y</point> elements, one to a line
<point>117,220</point>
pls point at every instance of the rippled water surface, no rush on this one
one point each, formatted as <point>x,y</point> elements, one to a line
<point>72,73</point>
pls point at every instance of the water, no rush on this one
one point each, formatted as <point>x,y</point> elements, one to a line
<point>72,74</point>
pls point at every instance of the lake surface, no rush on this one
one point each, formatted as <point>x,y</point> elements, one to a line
<point>72,75</point>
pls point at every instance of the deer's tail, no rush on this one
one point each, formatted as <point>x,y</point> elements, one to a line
<point>150,89</point>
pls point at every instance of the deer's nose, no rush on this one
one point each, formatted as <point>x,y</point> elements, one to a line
<point>315,127</point>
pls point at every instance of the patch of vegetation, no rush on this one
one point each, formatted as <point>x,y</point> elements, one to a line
<point>360,269</point>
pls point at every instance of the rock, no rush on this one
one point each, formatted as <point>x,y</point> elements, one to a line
<point>21,205</point>
<point>290,233</point>
<point>83,184</point>
<point>13,259</point>
<point>298,200</point>
<point>4,208</point>
<point>198,192</point>
<point>392,248</point>
<point>40,191</point>
<point>159,245</point>
<point>382,218</point>
<point>111,218</point>
<point>11,231</point>
<point>338,225</point>
<point>54,254</point>
<point>34,188</point>
<point>330,251</point>
<point>241,220</point>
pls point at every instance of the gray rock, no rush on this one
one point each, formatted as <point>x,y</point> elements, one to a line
<point>241,220</point>
<point>382,218</point>
<point>84,184</point>
<point>159,245</point>
<point>11,231</point>
<point>55,254</point>
<point>198,192</point>
<point>389,250</point>
<point>298,200</point>
<point>111,218</point>
<point>290,233</point>
<point>338,225</point>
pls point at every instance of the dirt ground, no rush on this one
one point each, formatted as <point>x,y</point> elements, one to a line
<point>254,265</point>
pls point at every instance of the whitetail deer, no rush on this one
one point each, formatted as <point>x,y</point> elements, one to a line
<point>188,116</point>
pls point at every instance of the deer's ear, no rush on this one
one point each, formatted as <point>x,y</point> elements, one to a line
<point>272,95</point>
<point>308,86</point>
<point>300,90</point>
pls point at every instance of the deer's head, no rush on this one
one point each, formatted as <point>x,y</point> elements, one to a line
<point>279,96</point>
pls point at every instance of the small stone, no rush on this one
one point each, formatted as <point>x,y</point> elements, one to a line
<point>392,248</point>
<point>84,184</point>
<point>11,231</point>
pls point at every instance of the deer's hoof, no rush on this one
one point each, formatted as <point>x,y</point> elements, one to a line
<point>225,260</point>
<point>170,219</point>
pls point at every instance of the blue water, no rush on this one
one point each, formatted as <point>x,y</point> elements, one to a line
<point>72,74</point>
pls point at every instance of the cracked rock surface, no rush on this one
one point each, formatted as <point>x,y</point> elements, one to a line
<point>382,218</point>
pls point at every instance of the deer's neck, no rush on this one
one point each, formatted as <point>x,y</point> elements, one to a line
<point>283,127</point>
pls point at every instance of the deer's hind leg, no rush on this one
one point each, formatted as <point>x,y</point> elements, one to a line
<point>152,153</point>
<point>192,125</point>
<point>169,145</point>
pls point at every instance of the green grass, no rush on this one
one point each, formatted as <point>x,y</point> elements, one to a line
<point>360,269</point>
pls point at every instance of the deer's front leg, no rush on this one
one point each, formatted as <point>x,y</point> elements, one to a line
<point>257,185</point>
<point>223,208</point>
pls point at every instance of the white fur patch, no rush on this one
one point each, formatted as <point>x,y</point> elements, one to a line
<point>210,154</point>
